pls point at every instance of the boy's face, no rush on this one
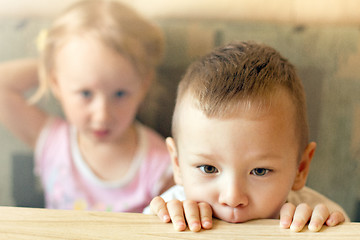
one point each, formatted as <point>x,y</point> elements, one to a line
<point>243,166</point>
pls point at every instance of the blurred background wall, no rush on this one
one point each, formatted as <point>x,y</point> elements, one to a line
<point>321,38</point>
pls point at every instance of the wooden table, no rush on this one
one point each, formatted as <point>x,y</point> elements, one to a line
<point>29,223</point>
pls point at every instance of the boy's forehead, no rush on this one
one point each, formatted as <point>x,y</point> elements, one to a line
<point>262,134</point>
<point>279,103</point>
<point>247,106</point>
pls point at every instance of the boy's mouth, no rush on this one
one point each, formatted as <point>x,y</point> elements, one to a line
<point>232,216</point>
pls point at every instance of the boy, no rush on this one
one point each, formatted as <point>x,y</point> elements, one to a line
<point>240,147</point>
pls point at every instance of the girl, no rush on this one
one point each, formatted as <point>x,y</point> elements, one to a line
<point>98,59</point>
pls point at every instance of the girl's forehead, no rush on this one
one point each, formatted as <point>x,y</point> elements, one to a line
<point>88,63</point>
<point>92,53</point>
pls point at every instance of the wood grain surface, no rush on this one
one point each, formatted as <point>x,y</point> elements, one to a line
<point>31,223</point>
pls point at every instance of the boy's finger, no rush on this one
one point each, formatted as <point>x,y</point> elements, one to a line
<point>158,207</point>
<point>335,218</point>
<point>192,214</point>
<point>205,215</point>
<point>286,215</point>
<point>176,211</point>
<point>301,217</point>
<point>319,216</point>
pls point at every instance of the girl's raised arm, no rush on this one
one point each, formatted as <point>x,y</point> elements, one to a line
<point>21,118</point>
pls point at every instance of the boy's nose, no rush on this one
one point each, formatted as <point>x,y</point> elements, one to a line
<point>233,195</point>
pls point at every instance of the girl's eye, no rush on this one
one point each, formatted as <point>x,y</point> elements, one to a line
<point>120,93</point>
<point>260,171</point>
<point>86,93</point>
<point>208,169</point>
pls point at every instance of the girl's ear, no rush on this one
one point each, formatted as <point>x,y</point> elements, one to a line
<point>150,77</point>
<point>148,81</point>
<point>54,86</point>
<point>171,146</point>
<point>304,167</point>
<point>146,84</point>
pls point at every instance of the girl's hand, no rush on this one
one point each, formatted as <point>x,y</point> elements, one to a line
<point>197,215</point>
<point>296,218</point>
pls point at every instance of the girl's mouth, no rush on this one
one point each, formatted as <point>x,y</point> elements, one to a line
<point>101,133</point>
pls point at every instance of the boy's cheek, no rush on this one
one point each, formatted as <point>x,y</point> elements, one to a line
<point>177,175</point>
<point>196,192</point>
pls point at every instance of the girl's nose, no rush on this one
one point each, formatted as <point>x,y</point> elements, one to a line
<point>233,195</point>
<point>101,111</point>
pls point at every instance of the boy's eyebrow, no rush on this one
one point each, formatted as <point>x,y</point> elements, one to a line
<point>204,156</point>
<point>259,157</point>
<point>267,156</point>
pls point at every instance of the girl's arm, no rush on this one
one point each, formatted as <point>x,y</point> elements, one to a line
<point>22,119</point>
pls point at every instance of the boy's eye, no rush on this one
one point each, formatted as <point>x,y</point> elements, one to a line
<point>86,93</point>
<point>260,171</point>
<point>120,93</point>
<point>208,169</point>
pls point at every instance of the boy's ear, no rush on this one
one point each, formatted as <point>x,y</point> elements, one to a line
<point>171,146</point>
<point>304,167</point>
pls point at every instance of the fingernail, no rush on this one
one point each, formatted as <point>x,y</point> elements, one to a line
<point>330,222</point>
<point>195,226</point>
<point>180,225</point>
<point>295,227</point>
<point>314,227</point>
<point>284,223</point>
<point>207,224</point>
<point>166,218</point>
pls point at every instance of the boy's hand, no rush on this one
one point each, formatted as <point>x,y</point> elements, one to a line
<point>197,215</point>
<point>296,218</point>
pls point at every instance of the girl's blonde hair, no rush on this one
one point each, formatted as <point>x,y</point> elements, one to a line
<point>114,24</point>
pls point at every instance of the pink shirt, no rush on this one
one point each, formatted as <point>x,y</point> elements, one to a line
<point>69,183</point>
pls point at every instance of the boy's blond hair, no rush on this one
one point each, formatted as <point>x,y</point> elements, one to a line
<point>245,74</point>
<point>117,26</point>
